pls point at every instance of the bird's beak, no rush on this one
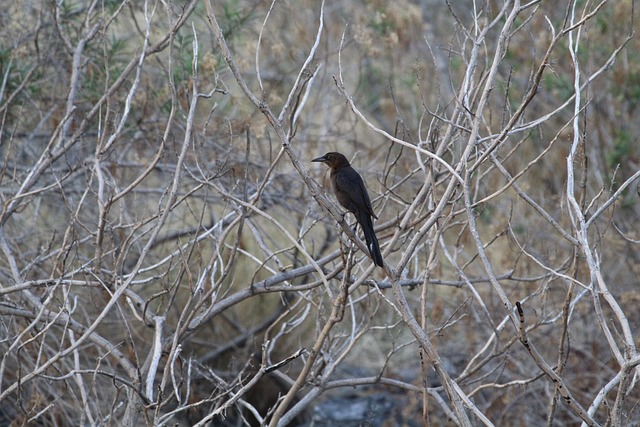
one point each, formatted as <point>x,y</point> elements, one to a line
<point>322,159</point>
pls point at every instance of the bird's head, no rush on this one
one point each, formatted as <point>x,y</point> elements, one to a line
<point>333,160</point>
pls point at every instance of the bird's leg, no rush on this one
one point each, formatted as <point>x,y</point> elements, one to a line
<point>355,226</point>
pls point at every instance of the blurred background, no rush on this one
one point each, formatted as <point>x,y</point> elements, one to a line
<point>166,259</point>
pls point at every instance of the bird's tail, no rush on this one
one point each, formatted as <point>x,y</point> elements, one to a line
<point>370,237</point>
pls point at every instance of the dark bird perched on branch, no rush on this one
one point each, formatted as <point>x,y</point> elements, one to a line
<point>352,195</point>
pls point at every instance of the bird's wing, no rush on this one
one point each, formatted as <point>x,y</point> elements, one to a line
<point>351,183</point>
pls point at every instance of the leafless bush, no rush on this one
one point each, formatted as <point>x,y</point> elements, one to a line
<point>169,255</point>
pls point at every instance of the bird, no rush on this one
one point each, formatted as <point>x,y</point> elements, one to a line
<point>352,195</point>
